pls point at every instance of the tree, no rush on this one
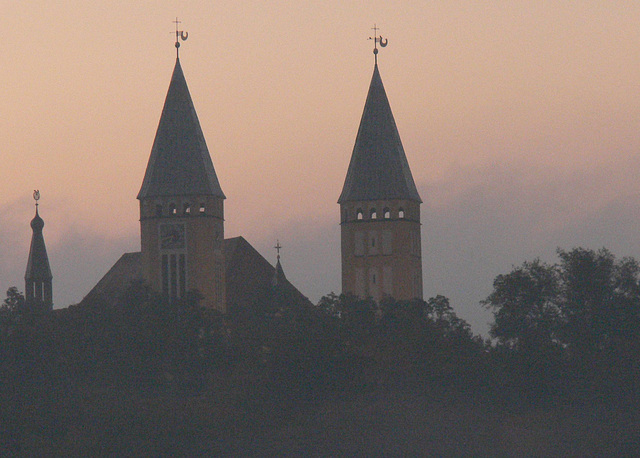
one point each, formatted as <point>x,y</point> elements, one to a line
<point>581,314</point>
<point>525,305</point>
<point>10,309</point>
<point>601,305</point>
<point>440,312</point>
<point>589,302</point>
<point>14,301</point>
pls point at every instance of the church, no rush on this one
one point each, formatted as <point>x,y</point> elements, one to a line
<point>182,241</point>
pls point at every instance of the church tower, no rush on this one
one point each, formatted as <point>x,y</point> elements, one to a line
<point>181,204</point>
<point>380,207</point>
<point>38,287</point>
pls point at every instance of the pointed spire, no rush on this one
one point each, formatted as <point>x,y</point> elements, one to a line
<point>180,163</point>
<point>278,275</point>
<point>378,168</point>
<point>38,278</point>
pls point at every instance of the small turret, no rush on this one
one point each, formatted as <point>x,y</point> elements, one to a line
<point>38,278</point>
<point>278,275</point>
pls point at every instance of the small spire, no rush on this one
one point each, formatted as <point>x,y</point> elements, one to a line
<point>377,39</point>
<point>38,278</point>
<point>180,35</point>
<point>278,274</point>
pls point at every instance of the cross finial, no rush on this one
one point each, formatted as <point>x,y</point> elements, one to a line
<point>180,35</point>
<point>377,40</point>
<point>278,247</point>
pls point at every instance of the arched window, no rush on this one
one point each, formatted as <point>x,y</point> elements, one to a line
<point>387,213</point>
<point>202,207</point>
<point>158,209</point>
<point>172,209</point>
<point>359,213</point>
<point>400,213</point>
<point>187,208</point>
<point>373,213</point>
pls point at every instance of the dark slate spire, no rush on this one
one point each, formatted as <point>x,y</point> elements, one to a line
<point>180,163</point>
<point>378,169</point>
<point>38,264</point>
<point>38,278</point>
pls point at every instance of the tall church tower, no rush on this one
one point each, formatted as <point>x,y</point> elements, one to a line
<point>380,207</point>
<point>181,205</point>
<point>38,288</point>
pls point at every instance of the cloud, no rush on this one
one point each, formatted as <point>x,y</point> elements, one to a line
<point>80,258</point>
<point>480,222</point>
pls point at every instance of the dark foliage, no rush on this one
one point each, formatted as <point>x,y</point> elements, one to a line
<point>571,329</point>
<point>143,376</point>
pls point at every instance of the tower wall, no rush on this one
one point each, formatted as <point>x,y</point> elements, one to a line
<point>181,244</point>
<point>381,249</point>
<point>39,292</point>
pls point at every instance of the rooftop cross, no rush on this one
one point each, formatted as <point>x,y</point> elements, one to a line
<point>377,39</point>
<point>180,35</point>
<point>278,247</point>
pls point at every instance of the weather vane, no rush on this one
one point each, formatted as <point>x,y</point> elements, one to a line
<point>180,35</point>
<point>36,196</point>
<point>377,39</point>
<point>278,247</point>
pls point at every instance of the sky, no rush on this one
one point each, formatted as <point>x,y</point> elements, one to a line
<point>519,120</point>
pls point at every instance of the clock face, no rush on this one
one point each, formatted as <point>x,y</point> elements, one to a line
<point>172,236</point>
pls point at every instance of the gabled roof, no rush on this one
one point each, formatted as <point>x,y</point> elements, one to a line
<point>248,277</point>
<point>378,169</point>
<point>38,268</point>
<point>126,270</point>
<point>180,163</point>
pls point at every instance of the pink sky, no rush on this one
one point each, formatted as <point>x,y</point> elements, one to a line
<point>519,119</point>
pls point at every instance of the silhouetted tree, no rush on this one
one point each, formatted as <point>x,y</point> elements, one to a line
<point>583,311</point>
<point>601,305</point>
<point>14,301</point>
<point>525,306</point>
<point>439,311</point>
<point>138,375</point>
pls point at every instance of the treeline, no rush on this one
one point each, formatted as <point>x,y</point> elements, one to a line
<point>345,377</point>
